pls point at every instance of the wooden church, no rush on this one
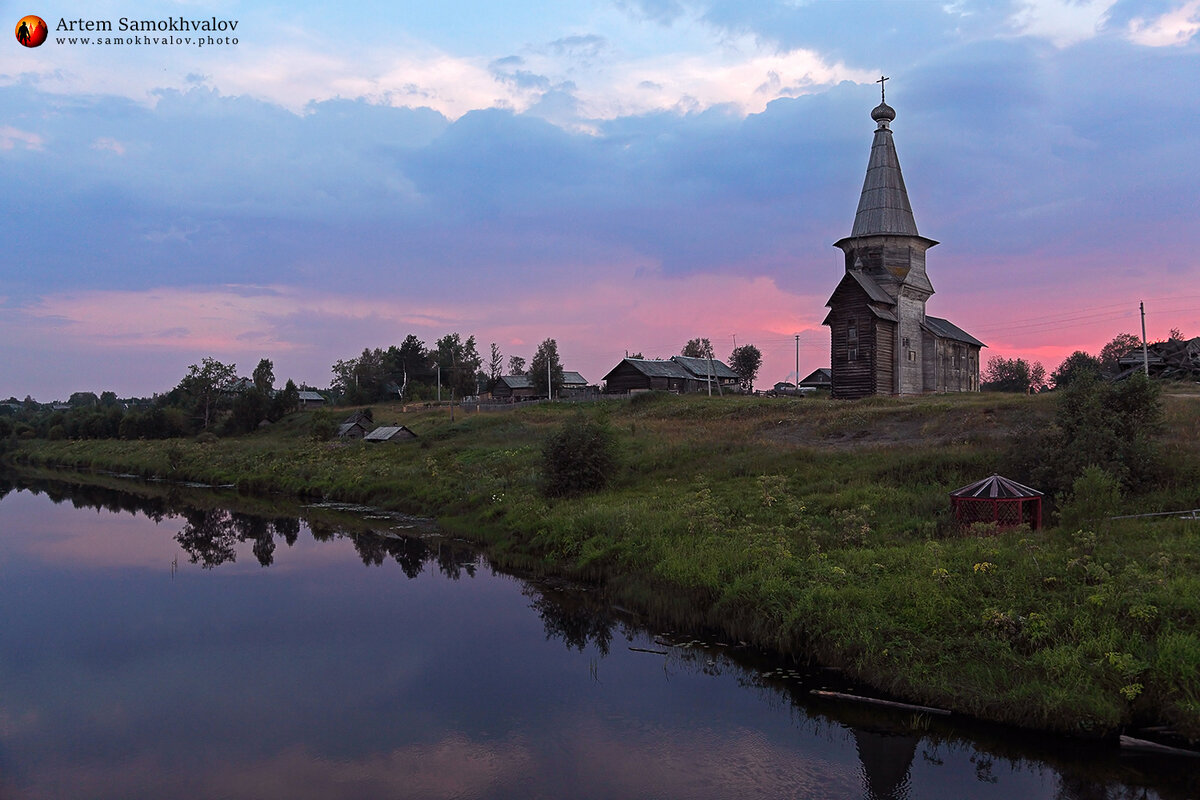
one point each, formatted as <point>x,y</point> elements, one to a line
<point>881,339</point>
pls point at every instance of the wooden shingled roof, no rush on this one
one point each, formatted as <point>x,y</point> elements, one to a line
<point>996,487</point>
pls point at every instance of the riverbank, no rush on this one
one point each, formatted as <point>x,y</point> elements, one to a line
<point>815,528</point>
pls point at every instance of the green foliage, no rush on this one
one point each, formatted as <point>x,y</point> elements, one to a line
<point>1012,375</point>
<point>1110,426</point>
<point>1095,494</point>
<point>204,383</point>
<point>322,426</point>
<point>285,401</point>
<point>1121,345</point>
<point>545,358</point>
<point>1074,367</point>
<point>264,377</point>
<point>578,458</point>
<point>745,361</point>
<point>698,348</point>
<point>460,362</point>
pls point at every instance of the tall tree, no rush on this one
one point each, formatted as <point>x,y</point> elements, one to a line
<point>410,362</point>
<point>547,356</point>
<point>516,365</point>
<point>495,366</point>
<point>1122,345</point>
<point>1012,375</point>
<point>204,384</point>
<point>745,361</point>
<point>460,361</point>
<point>363,379</point>
<point>1073,367</point>
<point>264,377</point>
<point>285,401</point>
<point>698,348</point>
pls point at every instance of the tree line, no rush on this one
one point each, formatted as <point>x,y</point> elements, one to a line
<point>1018,375</point>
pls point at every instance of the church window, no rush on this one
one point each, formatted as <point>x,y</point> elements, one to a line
<point>852,340</point>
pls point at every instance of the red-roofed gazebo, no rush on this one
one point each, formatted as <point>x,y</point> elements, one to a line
<point>999,500</point>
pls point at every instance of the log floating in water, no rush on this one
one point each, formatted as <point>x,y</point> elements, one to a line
<point>644,650</point>
<point>1130,743</point>
<point>877,702</point>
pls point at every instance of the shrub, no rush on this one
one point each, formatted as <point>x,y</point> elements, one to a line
<point>1094,495</point>
<point>322,426</point>
<point>578,458</point>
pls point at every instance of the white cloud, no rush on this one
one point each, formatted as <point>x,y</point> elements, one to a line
<point>607,65</point>
<point>10,137</point>
<point>112,145</point>
<point>1173,28</point>
<point>1063,22</point>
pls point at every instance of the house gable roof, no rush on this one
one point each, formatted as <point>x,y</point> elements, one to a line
<point>699,367</point>
<point>944,329</point>
<point>516,381</point>
<point>653,368</point>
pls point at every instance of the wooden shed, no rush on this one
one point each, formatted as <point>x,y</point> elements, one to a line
<point>390,433</point>
<point>352,430</point>
<point>999,500</point>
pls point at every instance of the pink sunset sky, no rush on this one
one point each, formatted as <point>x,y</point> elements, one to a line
<point>618,176</point>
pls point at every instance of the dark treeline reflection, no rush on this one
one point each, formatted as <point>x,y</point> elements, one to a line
<point>90,496</point>
<point>210,535</point>
<point>577,618</point>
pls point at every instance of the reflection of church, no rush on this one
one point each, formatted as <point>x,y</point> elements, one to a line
<point>886,761</point>
<point>881,340</point>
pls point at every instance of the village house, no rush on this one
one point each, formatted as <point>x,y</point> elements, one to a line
<point>525,387</point>
<point>516,387</point>
<point>308,399</point>
<point>818,379</point>
<point>677,374</point>
<point>881,340</point>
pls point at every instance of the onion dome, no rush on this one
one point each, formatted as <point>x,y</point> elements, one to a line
<point>883,114</point>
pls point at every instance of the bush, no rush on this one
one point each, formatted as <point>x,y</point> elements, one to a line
<point>322,426</point>
<point>1094,495</point>
<point>577,459</point>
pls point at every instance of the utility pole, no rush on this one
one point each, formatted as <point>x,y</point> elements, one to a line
<point>1145,353</point>
<point>439,366</point>
<point>797,364</point>
<point>549,388</point>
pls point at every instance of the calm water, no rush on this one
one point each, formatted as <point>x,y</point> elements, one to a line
<point>175,652</point>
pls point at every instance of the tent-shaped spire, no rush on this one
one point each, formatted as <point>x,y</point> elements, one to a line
<point>883,207</point>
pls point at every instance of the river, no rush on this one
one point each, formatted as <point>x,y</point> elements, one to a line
<point>176,643</point>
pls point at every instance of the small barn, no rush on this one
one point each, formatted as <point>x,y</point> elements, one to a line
<point>999,500</point>
<point>352,430</point>
<point>308,398</point>
<point>390,433</point>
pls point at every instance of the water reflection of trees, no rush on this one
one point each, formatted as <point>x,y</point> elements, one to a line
<point>210,536</point>
<point>103,498</point>
<point>572,616</point>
